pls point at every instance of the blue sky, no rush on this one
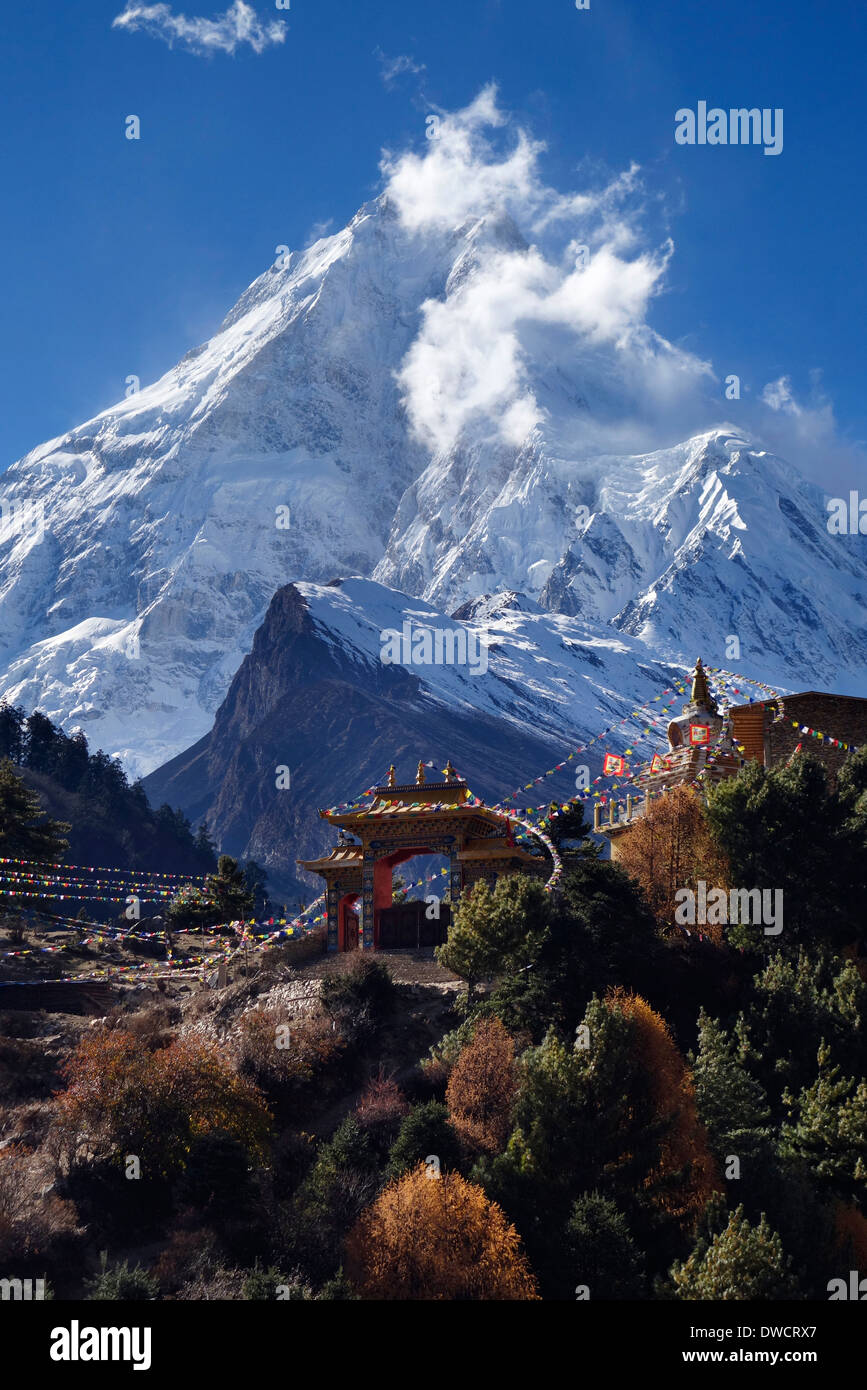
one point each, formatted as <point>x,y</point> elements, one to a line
<point>118,255</point>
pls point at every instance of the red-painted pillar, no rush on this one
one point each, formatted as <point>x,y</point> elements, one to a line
<point>381,893</point>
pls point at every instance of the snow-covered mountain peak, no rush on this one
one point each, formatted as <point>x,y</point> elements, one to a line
<point>443,405</point>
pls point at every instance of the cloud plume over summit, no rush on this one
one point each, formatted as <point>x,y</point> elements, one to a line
<point>568,273</point>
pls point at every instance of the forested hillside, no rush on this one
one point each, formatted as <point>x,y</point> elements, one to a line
<point>111,822</point>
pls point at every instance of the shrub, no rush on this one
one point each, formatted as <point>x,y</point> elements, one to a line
<point>216,1178</point>
<point>381,1109</point>
<point>26,1070</point>
<point>116,1210</point>
<point>122,1284</point>
<point>360,998</point>
<point>311,1059</point>
<point>121,1099</point>
<point>189,1255</point>
<point>33,1227</point>
<point>222,1283</point>
<point>269,1285</point>
<point>337,1290</point>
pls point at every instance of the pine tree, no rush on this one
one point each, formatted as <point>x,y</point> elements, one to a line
<point>425,1132</point>
<point>599,933</point>
<point>852,792</point>
<point>569,823</point>
<point>780,829</point>
<point>256,881</point>
<point>743,1262</point>
<point>71,760</point>
<point>551,954</point>
<point>578,1112</point>
<point>827,1130</point>
<point>494,932</point>
<point>732,1105</point>
<point>797,1004</point>
<point>399,890</point>
<point>25,830</point>
<point>204,842</point>
<point>11,732</point>
<point>612,1112</point>
<point>228,889</point>
<point>604,1255</point>
<point>224,897</point>
<point>43,741</point>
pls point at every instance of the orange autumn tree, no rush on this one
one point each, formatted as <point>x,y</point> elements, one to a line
<point>686,1174</point>
<point>124,1099</point>
<point>669,848</point>
<point>482,1088</point>
<point>437,1238</point>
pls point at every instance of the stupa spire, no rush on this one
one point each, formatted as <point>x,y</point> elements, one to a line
<point>700,694</point>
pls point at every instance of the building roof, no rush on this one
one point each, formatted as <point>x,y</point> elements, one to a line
<point>344,856</point>
<point>412,799</point>
<point>800,695</point>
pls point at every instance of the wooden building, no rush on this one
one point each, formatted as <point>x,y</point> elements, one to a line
<point>771,730</point>
<point>704,744</point>
<point>399,823</point>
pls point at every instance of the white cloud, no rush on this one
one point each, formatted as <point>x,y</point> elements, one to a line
<point>431,190</point>
<point>778,395</point>
<point>482,348</point>
<point>806,432</point>
<point>392,68</point>
<point>224,34</point>
<point>318,231</point>
<point>529,315</point>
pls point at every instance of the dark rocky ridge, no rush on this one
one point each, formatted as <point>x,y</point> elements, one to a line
<point>337,723</point>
